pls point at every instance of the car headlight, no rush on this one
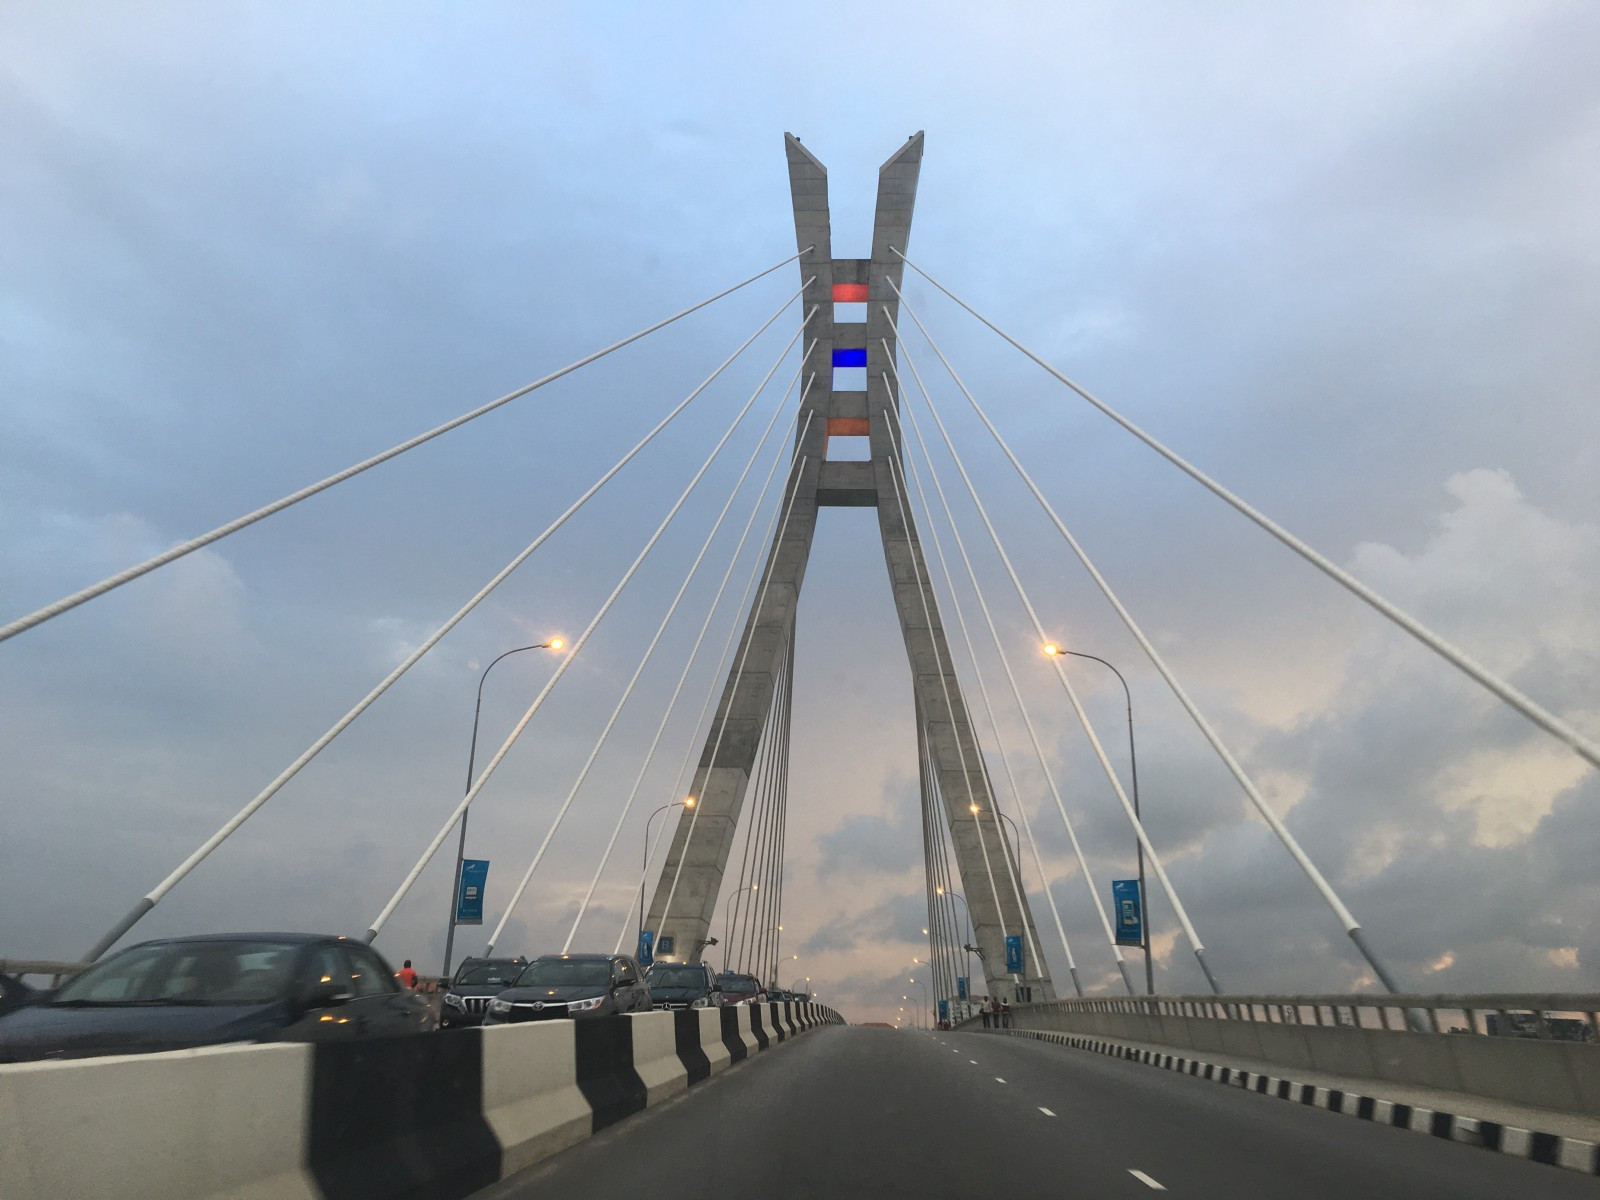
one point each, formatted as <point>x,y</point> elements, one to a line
<point>499,1006</point>
<point>586,1005</point>
<point>700,1002</point>
<point>453,1000</point>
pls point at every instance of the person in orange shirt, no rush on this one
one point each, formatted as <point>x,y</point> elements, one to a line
<point>406,975</point>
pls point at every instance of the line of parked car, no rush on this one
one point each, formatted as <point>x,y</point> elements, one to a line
<point>503,991</point>
<point>178,993</point>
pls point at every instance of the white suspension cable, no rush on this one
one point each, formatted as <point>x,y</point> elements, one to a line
<point>988,708</point>
<point>744,655</point>
<point>155,895</point>
<point>1346,918</point>
<point>66,603</point>
<point>738,622</point>
<point>1083,717</point>
<point>557,674</point>
<point>666,716</point>
<point>644,659</point>
<point>1016,693</point>
<point>923,588</point>
<point>1587,748</point>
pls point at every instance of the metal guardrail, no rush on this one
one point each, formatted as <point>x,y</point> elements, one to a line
<point>1556,1016</point>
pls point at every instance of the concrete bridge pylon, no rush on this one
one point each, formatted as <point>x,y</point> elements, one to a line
<point>692,874</point>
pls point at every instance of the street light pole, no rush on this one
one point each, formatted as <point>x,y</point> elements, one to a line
<point>472,762</point>
<point>644,870</point>
<point>727,927</point>
<point>967,945</point>
<point>927,1005</point>
<point>1133,770</point>
<point>776,971</point>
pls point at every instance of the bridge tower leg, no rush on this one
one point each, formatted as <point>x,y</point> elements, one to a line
<point>693,872</point>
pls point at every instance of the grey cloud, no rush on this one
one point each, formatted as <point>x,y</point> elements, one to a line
<point>1338,268</point>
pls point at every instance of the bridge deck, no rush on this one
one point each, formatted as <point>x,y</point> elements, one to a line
<point>870,1112</point>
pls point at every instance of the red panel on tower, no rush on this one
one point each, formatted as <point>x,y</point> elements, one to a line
<point>849,293</point>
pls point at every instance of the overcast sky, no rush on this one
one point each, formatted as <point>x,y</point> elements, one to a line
<point>1344,257</point>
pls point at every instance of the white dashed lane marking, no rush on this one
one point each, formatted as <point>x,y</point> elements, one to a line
<point>1047,1112</point>
<point>1146,1180</point>
<point>973,1061</point>
<point>997,1079</point>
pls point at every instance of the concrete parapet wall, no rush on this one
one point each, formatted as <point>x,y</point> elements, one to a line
<point>440,1115</point>
<point>1559,1075</point>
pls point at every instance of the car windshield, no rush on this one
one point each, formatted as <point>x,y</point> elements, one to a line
<point>561,972</point>
<point>188,973</point>
<point>504,974</point>
<point>675,977</point>
<point>738,983</point>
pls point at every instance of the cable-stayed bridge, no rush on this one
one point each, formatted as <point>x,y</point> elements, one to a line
<point>854,409</point>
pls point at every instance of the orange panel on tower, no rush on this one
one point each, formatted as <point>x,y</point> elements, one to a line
<point>849,427</point>
<point>849,293</point>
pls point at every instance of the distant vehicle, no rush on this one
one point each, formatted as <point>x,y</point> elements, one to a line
<point>683,985</point>
<point>477,981</point>
<point>15,994</point>
<point>555,986</point>
<point>1526,1025</point>
<point>782,996</point>
<point>230,987</point>
<point>742,989</point>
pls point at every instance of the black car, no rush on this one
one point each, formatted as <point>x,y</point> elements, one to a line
<point>16,994</point>
<point>230,987</point>
<point>572,985</point>
<point>477,981</point>
<point>683,985</point>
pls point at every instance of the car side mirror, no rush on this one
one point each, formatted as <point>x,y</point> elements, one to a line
<point>327,995</point>
<point>716,987</point>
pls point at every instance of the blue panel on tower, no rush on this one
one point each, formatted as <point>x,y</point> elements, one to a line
<point>849,358</point>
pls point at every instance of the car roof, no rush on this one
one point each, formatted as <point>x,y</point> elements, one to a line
<point>297,938</point>
<point>581,957</point>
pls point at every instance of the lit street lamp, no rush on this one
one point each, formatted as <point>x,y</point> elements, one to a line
<point>644,871</point>
<point>554,643</point>
<point>1054,650</point>
<point>776,971</point>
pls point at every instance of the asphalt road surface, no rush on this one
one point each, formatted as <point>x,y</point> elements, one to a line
<point>885,1114</point>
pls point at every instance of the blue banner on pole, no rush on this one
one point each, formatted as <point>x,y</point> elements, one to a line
<point>469,900</point>
<point>1125,898</point>
<point>647,942</point>
<point>944,1010</point>
<point>1014,953</point>
<point>961,987</point>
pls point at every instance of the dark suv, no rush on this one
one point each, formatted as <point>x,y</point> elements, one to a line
<point>229,987</point>
<point>572,985</point>
<point>683,985</point>
<point>477,981</point>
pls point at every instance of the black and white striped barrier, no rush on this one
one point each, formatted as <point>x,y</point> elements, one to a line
<point>437,1116</point>
<point>1574,1154</point>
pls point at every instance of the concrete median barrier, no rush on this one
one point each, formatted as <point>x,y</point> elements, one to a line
<point>438,1116</point>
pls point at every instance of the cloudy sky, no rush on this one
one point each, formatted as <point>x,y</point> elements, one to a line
<point>1344,257</point>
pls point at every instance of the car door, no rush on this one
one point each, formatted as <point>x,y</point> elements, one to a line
<point>382,1006</point>
<point>635,996</point>
<point>321,965</point>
